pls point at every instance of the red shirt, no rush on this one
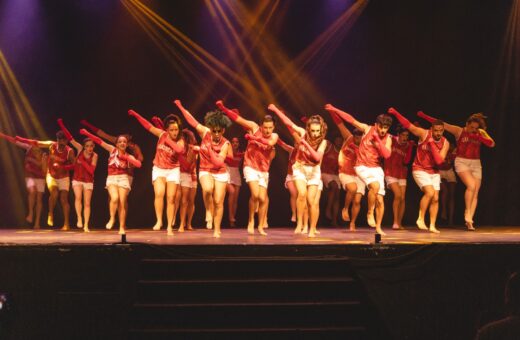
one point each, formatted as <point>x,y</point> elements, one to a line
<point>368,154</point>
<point>205,160</point>
<point>234,162</point>
<point>60,157</point>
<point>257,154</point>
<point>292,160</point>
<point>424,159</point>
<point>448,161</point>
<point>329,163</point>
<point>303,155</point>
<point>468,145</point>
<point>117,166</point>
<point>33,164</point>
<point>349,150</point>
<point>394,165</point>
<point>80,173</point>
<point>165,156</point>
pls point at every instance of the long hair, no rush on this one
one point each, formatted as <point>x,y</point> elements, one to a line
<point>315,119</point>
<point>478,118</point>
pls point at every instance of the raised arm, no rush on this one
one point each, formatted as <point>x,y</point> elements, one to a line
<point>201,129</point>
<point>453,129</point>
<point>69,137</point>
<point>13,140</point>
<point>145,123</point>
<point>235,117</point>
<point>285,146</point>
<point>97,140</point>
<point>345,133</point>
<point>347,117</point>
<point>417,131</point>
<point>288,122</point>
<point>33,142</point>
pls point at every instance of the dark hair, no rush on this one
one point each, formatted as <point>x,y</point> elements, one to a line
<point>173,119</point>
<point>60,135</point>
<point>437,122</point>
<point>400,129</point>
<point>268,118</point>
<point>479,118</point>
<point>216,118</point>
<point>384,120</point>
<point>85,140</point>
<point>357,132</point>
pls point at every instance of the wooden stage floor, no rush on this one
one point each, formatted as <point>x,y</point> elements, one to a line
<point>276,236</point>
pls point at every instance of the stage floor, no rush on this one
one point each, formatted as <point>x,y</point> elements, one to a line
<point>276,236</point>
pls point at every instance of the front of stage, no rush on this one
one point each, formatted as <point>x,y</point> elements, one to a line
<point>415,284</point>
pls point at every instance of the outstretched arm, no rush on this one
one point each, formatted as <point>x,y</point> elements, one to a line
<point>130,159</point>
<point>285,146</point>
<point>97,140</point>
<point>33,142</point>
<point>453,129</point>
<point>417,131</point>
<point>69,137</point>
<point>145,123</point>
<point>234,116</point>
<point>99,132</point>
<point>345,133</point>
<point>290,125</point>
<point>201,129</point>
<point>348,118</point>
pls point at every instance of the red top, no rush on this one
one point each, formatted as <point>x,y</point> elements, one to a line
<point>350,152</point>
<point>329,164</point>
<point>165,156</point>
<point>424,159</point>
<point>60,157</point>
<point>257,154</point>
<point>117,166</point>
<point>303,155</point>
<point>395,166</point>
<point>80,173</point>
<point>468,145</point>
<point>235,161</point>
<point>33,164</point>
<point>205,160</point>
<point>292,159</point>
<point>368,153</point>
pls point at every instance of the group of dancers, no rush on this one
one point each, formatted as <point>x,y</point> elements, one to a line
<point>365,159</point>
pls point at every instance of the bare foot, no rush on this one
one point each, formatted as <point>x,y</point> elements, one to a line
<point>251,229</point>
<point>344,215</point>
<point>262,232</point>
<point>298,230</point>
<point>50,220</point>
<point>434,230</point>
<point>79,224</point>
<point>181,229</point>
<point>216,234</point>
<point>293,218</point>
<point>122,231</point>
<point>110,224</point>
<point>305,230</point>
<point>65,227</point>
<point>209,224</point>
<point>189,227</point>
<point>157,226</point>
<point>352,227</point>
<point>470,226</point>
<point>169,231</point>
<point>371,220</point>
<point>232,223</point>
<point>380,231</point>
<point>86,229</point>
<point>396,226</point>
<point>29,219</point>
<point>421,225</point>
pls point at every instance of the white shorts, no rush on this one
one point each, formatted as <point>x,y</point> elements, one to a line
<point>234,176</point>
<point>422,178</point>
<point>288,179</point>
<point>38,183</point>
<point>448,176</point>
<point>252,175</point>
<point>370,175</point>
<point>390,180</point>
<point>187,181</point>
<point>62,183</point>
<point>171,175</point>
<point>123,181</point>
<point>222,177</point>
<point>327,178</point>
<point>311,174</point>
<point>84,185</point>
<point>472,165</point>
<point>347,179</point>
<point>320,186</point>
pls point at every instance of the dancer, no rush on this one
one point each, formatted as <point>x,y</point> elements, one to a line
<point>374,144</point>
<point>448,184</point>
<point>431,152</point>
<point>83,178</point>
<point>329,176</point>
<point>289,181</point>
<point>60,162</point>
<point>233,187</point>
<point>257,160</point>
<point>119,181</point>
<point>35,168</point>
<point>310,148</point>
<point>467,163</point>
<point>213,175</point>
<point>188,162</point>
<point>166,171</point>
<point>396,171</point>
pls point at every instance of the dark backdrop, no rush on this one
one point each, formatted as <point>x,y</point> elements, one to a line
<point>90,59</point>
